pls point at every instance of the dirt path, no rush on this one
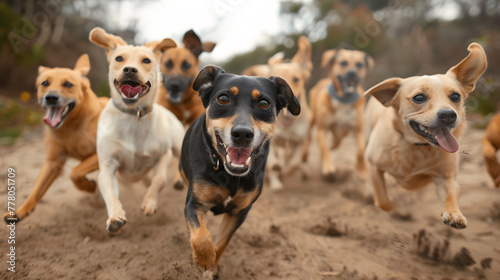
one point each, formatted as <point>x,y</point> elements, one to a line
<point>310,230</point>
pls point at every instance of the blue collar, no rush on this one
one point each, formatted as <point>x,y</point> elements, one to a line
<point>346,99</point>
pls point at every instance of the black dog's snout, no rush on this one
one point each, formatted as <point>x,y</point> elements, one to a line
<point>242,134</point>
<point>129,70</point>
<point>447,116</point>
<point>51,99</point>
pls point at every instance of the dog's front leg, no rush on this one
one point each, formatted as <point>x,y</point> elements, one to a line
<point>490,158</point>
<point>360,140</point>
<point>78,174</point>
<point>448,191</point>
<point>109,188</point>
<point>327,167</point>
<point>274,168</point>
<point>204,251</point>
<point>150,201</point>
<point>51,169</point>
<point>379,188</point>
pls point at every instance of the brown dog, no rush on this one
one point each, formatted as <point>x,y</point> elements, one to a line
<point>414,137</point>
<point>337,105</point>
<point>179,67</point>
<point>72,111</point>
<point>491,144</point>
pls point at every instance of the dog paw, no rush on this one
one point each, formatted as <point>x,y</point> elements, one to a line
<point>115,224</point>
<point>387,206</point>
<point>329,176</point>
<point>179,185</point>
<point>149,206</point>
<point>454,219</point>
<point>8,218</point>
<point>204,253</point>
<point>86,185</point>
<point>276,186</point>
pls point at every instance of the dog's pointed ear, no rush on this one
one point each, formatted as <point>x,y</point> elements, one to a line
<point>204,82</point>
<point>82,65</point>
<point>370,63</point>
<point>303,55</point>
<point>104,40</point>
<point>42,69</point>
<point>328,57</point>
<point>160,46</point>
<point>277,58</point>
<point>193,43</point>
<point>470,68</point>
<point>285,97</point>
<point>208,46</point>
<point>385,90</point>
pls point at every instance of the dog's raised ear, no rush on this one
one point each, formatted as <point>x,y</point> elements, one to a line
<point>82,65</point>
<point>160,46</point>
<point>303,55</point>
<point>285,97</point>
<point>42,69</point>
<point>104,40</point>
<point>204,82</point>
<point>385,90</point>
<point>328,57</point>
<point>470,68</point>
<point>193,43</point>
<point>370,63</point>
<point>277,58</point>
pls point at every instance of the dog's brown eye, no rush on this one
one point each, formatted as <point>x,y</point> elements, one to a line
<point>264,104</point>
<point>359,65</point>
<point>169,64</point>
<point>419,98</point>
<point>455,97</point>
<point>119,58</point>
<point>343,63</point>
<point>146,60</point>
<point>45,83</point>
<point>295,79</point>
<point>67,84</point>
<point>186,65</point>
<point>223,99</point>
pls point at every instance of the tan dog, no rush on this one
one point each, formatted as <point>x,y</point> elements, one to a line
<point>290,131</point>
<point>72,110</point>
<point>337,105</point>
<point>414,137</point>
<point>135,135</point>
<point>179,67</point>
<point>491,144</point>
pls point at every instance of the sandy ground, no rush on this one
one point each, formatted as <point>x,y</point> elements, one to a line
<point>310,230</point>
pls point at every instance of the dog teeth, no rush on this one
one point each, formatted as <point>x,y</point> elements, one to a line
<point>237,165</point>
<point>136,96</point>
<point>65,110</point>
<point>422,127</point>
<point>247,162</point>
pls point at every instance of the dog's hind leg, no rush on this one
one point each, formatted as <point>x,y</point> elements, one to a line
<point>150,201</point>
<point>490,158</point>
<point>327,168</point>
<point>360,140</point>
<point>379,189</point>
<point>78,174</point>
<point>109,188</point>
<point>448,190</point>
<point>51,169</point>
<point>274,168</point>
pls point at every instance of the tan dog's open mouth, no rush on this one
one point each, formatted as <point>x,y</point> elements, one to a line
<point>55,115</point>
<point>131,90</point>
<point>439,136</point>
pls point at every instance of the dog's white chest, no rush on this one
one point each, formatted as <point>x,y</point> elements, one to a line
<point>344,116</point>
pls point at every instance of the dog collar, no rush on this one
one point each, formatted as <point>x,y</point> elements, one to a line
<point>139,111</point>
<point>346,99</point>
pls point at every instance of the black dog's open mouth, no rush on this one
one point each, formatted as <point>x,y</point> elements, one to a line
<point>237,160</point>
<point>131,90</point>
<point>55,116</point>
<point>439,136</point>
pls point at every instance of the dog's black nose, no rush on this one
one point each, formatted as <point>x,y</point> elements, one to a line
<point>129,70</point>
<point>351,74</point>
<point>447,116</point>
<point>241,134</point>
<point>51,99</point>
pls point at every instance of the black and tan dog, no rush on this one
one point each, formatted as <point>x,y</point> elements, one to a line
<point>224,154</point>
<point>179,66</point>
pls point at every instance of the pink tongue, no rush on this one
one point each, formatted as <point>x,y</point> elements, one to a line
<point>445,139</point>
<point>53,116</point>
<point>130,91</point>
<point>239,155</point>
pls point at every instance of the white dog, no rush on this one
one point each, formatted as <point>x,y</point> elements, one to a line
<point>134,134</point>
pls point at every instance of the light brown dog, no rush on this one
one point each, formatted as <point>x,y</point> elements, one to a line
<point>412,127</point>
<point>491,144</point>
<point>179,67</point>
<point>337,105</point>
<point>290,131</point>
<point>135,135</point>
<point>72,110</point>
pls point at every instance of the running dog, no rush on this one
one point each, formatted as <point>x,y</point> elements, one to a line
<point>72,110</point>
<point>337,105</point>
<point>224,154</point>
<point>179,67</point>
<point>412,127</point>
<point>491,144</point>
<point>291,131</point>
<point>135,135</point>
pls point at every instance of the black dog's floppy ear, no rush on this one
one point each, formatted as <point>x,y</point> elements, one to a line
<point>285,97</point>
<point>204,82</point>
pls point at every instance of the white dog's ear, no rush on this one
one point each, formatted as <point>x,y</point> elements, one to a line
<point>470,68</point>
<point>83,64</point>
<point>385,90</point>
<point>160,46</point>
<point>104,40</point>
<point>328,58</point>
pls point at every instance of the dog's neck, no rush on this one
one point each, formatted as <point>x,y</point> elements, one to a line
<point>139,111</point>
<point>346,99</point>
